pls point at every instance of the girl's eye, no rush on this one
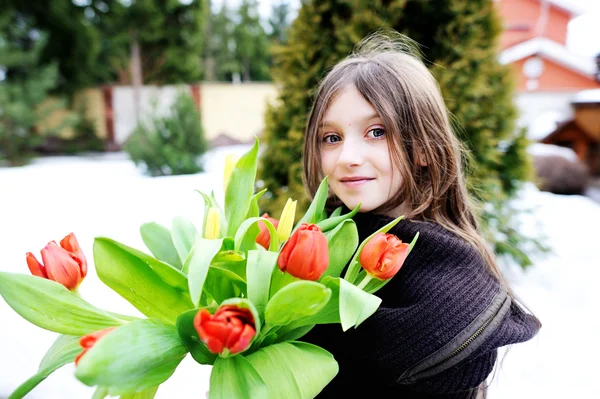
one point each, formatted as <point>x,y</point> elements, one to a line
<point>332,138</point>
<point>377,133</point>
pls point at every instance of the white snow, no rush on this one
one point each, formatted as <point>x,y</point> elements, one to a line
<point>540,150</point>
<point>106,196</point>
<point>545,123</point>
<point>587,96</point>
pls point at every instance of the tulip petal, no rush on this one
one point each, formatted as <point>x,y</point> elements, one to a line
<point>70,244</point>
<point>60,266</point>
<point>243,341</point>
<point>35,267</point>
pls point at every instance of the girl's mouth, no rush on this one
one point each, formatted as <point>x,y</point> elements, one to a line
<point>355,181</point>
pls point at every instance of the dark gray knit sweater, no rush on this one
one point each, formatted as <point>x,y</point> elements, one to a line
<point>437,331</point>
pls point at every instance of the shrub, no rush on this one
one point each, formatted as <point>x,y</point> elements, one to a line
<point>172,144</point>
<point>560,175</point>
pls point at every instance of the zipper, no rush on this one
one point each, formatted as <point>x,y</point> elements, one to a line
<point>431,366</point>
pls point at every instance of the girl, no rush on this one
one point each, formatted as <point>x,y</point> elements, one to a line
<point>380,130</point>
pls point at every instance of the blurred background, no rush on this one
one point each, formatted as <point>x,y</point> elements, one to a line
<point>113,112</point>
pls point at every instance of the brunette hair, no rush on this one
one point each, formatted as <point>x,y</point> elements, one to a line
<point>388,72</point>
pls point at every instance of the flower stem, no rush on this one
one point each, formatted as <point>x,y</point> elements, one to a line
<point>365,281</point>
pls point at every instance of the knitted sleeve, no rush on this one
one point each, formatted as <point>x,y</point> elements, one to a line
<point>428,331</point>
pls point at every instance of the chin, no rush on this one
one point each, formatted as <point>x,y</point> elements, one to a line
<point>363,208</point>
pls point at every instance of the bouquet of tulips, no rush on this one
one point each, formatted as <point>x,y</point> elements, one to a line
<point>236,295</point>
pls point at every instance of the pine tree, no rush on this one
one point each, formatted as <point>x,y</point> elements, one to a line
<point>220,45</point>
<point>24,86</point>
<point>71,40</point>
<point>459,41</point>
<point>169,32</point>
<point>251,43</point>
<point>279,22</point>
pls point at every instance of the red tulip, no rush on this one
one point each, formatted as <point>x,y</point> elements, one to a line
<point>264,237</point>
<point>230,328</point>
<point>87,341</point>
<point>306,254</point>
<point>383,256</point>
<point>65,264</point>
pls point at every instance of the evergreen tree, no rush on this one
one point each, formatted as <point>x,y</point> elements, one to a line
<point>71,40</point>
<point>251,43</point>
<point>169,33</point>
<point>24,85</point>
<point>279,22</point>
<point>459,39</point>
<point>220,46</point>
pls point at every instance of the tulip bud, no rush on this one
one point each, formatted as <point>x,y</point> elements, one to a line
<point>65,264</point>
<point>306,254</point>
<point>212,227</point>
<point>87,341</point>
<point>286,221</point>
<point>229,331</point>
<point>264,237</point>
<point>383,255</point>
<point>230,162</point>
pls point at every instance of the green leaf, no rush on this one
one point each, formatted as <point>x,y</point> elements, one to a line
<point>317,206</point>
<point>236,378</point>
<point>239,190</point>
<point>189,337</point>
<point>334,222</point>
<point>253,210</point>
<point>292,334</point>
<point>138,282</point>
<point>294,370</point>
<point>259,269</point>
<point>355,267</point>
<point>134,357</point>
<point>356,305</point>
<point>342,242</point>
<point>167,273</point>
<point>245,228</point>
<point>337,212</point>
<point>158,240</point>
<point>63,351</point>
<point>297,300</point>
<point>279,280</point>
<point>51,306</point>
<point>198,263</point>
<point>349,305</point>
<point>183,234</point>
<point>145,394</point>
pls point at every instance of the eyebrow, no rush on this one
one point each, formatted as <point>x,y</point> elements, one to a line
<point>367,118</point>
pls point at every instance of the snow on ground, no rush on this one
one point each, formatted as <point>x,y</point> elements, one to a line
<point>106,196</point>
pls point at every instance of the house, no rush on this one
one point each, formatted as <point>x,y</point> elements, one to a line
<point>547,74</point>
<point>582,133</point>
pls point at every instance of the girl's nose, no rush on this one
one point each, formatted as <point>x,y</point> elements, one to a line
<point>351,153</point>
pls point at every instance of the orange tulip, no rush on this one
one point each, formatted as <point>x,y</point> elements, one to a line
<point>87,341</point>
<point>264,237</point>
<point>65,264</point>
<point>306,254</point>
<point>383,256</point>
<point>230,328</point>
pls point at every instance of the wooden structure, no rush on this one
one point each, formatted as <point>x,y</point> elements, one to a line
<point>581,134</point>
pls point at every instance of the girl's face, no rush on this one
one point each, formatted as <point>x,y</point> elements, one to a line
<point>355,154</point>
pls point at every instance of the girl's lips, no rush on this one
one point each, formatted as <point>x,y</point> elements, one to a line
<point>356,182</point>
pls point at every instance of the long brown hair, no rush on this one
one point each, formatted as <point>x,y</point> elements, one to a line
<point>389,74</point>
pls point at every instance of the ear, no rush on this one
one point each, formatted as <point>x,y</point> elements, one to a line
<point>421,159</point>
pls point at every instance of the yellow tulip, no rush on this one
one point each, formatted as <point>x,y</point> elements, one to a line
<point>212,228</point>
<point>230,161</point>
<point>286,221</point>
